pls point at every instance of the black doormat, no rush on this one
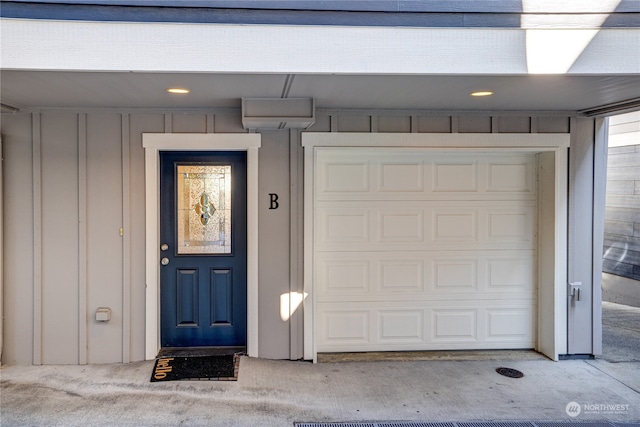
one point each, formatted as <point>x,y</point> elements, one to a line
<point>211,368</point>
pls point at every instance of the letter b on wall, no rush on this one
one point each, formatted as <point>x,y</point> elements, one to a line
<point>273,201</point>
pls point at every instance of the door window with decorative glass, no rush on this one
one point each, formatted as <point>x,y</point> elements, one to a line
<point>203,209</point>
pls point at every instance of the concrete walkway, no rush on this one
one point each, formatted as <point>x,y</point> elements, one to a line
<point>620,333</point>
<point>277,393</point>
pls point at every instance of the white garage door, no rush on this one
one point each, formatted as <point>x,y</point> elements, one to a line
<point>423,250</point>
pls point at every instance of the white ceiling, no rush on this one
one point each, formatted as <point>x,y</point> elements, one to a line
<point>53,89</point>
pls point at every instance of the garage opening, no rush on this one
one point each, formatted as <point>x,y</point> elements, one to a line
<point>416,248</point>
<point>621,251</point>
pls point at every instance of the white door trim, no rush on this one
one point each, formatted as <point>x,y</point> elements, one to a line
<point>153,143</point>
<point>551,291</point>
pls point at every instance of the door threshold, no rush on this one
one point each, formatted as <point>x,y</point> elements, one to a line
<point>200,351</point>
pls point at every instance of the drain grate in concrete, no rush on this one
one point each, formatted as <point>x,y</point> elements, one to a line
<point>509,372</point>
<point>336,424</point>
<point>496,424</point>
<point>580,424</point>
<point>466,424</point>
<point>377,424</point>
<point>414,424</point>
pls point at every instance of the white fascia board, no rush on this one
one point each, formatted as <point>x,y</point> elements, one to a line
<point>222,48</point>
<point>447,141</point>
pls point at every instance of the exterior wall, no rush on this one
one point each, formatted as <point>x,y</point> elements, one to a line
<point>73,179</point>
<point>621,251</point>
<point>86,172</point>
<point>274,252</point>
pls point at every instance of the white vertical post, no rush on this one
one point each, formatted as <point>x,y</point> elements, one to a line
<point>252,252</point>
<point>309,306</point>
<point>152,336</point>
<point>580,236</point>
<point>599,197</point>
<point>296,279</point>
<point>561,247</point>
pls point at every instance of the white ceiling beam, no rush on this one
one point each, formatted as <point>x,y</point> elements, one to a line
<point>214,48</point>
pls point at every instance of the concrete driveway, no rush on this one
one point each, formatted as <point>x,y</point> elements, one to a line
<point>278,393</point>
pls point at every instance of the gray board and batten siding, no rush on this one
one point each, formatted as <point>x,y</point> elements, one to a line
<point>74,179</point>
<point>622,221</point>
<point>622,226</point>
<point>621,250</point>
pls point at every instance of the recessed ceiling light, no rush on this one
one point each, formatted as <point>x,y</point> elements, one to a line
<point>481,93</point>
<point>178,90</point>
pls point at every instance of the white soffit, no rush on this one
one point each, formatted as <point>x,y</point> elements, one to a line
<point>217,48</point>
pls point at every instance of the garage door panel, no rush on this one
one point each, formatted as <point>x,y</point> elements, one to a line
<point>516,225</point>
<point>417,250</point>
<point>515,273</point>
<point>397,276</point>
<point>343,174</point>
<point>401,177</point>
<point>517,177</point>
<point>357,326</point>
<point>339,276</point>
<point>345,177</point>
<point>383,326</point>
<point>454,325</point>
<point>424,274</point>
<point>459,225</point>
<point>509,324</point>
<point>344,327</point>
<point>370,226</point>
<point>455,275</point>
<point>344,226</point>
<point>428,299</point>
<point>455,177</point>
<point>401,226</point>
<point>401,326</point>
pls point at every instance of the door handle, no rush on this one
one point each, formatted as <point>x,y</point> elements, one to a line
<point>165,260</point>
<point>576,290</point>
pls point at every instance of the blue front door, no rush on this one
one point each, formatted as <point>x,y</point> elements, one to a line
<point>203,238</point>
